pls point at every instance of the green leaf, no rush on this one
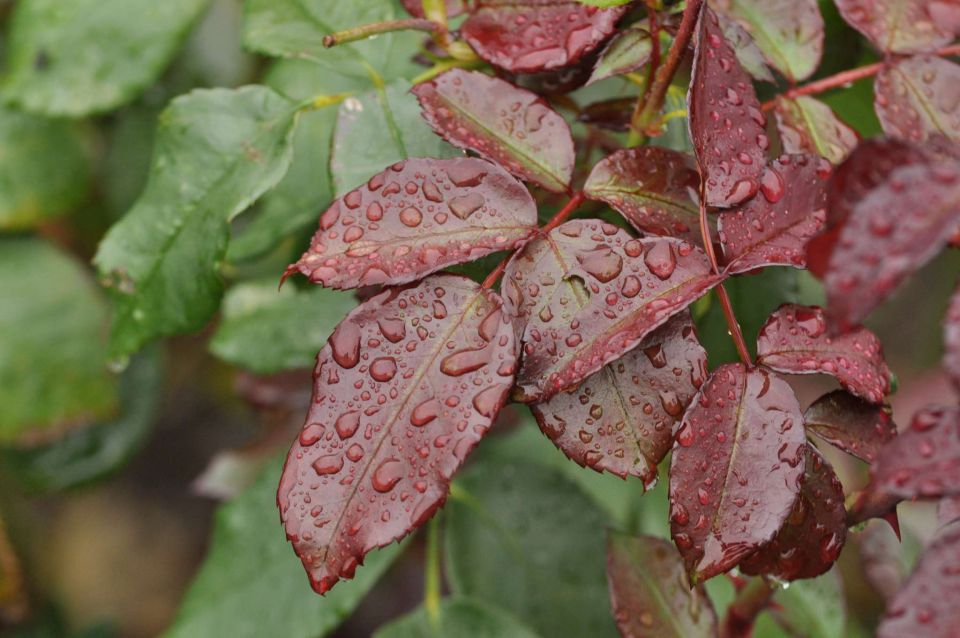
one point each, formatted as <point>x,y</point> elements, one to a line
<point>457,617</point>
<point>251,584</point>
<point>44,168</point>
<point>378,128</point>
<point>524,538</point>
<point>92,452</point>
<point>627,51</point>
<point>53,356</point>
<point>266,330</point>
<point>812,608</point>
<point>216,152</point>
<point>88,56</point>
<point>295,29</point>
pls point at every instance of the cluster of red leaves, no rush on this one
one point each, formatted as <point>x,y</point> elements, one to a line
<point>593,329</point>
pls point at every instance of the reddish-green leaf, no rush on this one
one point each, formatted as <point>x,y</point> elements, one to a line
<point>627,51</point>
<point>927,604</point>
<point>654,188</point>
<point>814,533</point>
<point>898,227</point>
<point>726,123</point>
<point>774,227</point>
<point>807,125</point>
<point>588,292</point>
<point>795,340</point>
<point>951,339</point>
<point>533,35</point>
<point>621,418</point>
<point>648,592</point>
<point>748,53</point>
<point>918,97</point>
<point>735,472</point>
<point>613,114</point>
<point>416,217</point>
<point>405,387</point>
<point>903,26</point>
<point>855,426</point>
<point>511,126</point>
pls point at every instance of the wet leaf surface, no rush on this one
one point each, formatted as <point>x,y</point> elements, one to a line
<point>918,97</point>
<point>736,469</point>
<point>795,340</point>
<point>810,540</point>
<point>748,53</point>
<point>416,217</point>
<point>627,51</point>
<point>951,339</point>
<point>649,592</point>
<point>903,26</point>
<point>897,227</point>
<point>851,424</point>
<point>533,35</point>
<point>726,123</point>
<point>927,604</point>
<point>506,124</point>
<point>654,188</point>
<point>621,418</point>
<point>807,125</point>
<point>406,386</point>
<point>772,229</point>
<point>587,293</point>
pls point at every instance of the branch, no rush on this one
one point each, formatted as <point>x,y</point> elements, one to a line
<point>365,31</point>
<point>743,611</point>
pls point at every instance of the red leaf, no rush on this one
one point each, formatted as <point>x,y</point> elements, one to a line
<point>917,97</point>
<point>810,540</point>
<point>621,418</point>
<point>726,123</point>
<point>794,340</point>
<point>415,7</point>
<point>735,472</point>
<point>613,114</point>
<point>405,387</point>
<point>851,424</point>
<point>880,556</point>
<point>648,594</point>
<point>807,125</point>
<point>506,124</point>
<point>587,293</point>
<point>654,188</point>
<point>416,217</point>
<point>773,228</point>
<point>927,604</point>
<point>903,26</point>
<point>951,339</point>
<point>533,35</point>
<point>748,53</point>
<point>898,227</point>
<point>948,510</point>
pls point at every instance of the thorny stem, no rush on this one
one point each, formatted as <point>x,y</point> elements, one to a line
<point>575,200</point>
<point>743,611</point>
<point>431,594</point>
<point>376,28</point>
<point>846,77</point>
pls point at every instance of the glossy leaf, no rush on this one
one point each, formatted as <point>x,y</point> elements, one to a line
<point>533,35</point>
<point>265,593</point>
<point>772,229</point>
<point>417,217</point>
<point>807,125</point>
<point>88,56</point>
<point>463,617</point>
<point>587,293</point>
<point>621,418</point>
<point>926,606</point>
<point>898,227</point>
<point>748,53</point>
<point>736,470</point>
<point>216,152</point>
<point>810,540</point>
<point>951,339</point>
<point>788,32</point>
<point>903,26</point>
<point>627,51</point>
<point>855,426</point>
<point>649,593</point>
<point>53,356</point>
<point>917,98</point>
<point>363,474</point>
<point>795,340</point>
<point>654,188</point>
<point>508,125</point>
<point>726,123</point>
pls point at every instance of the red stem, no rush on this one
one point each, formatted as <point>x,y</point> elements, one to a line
<point>743,611</point>
<point>846,77</point>
<point>575,200</point>
<point>655,46</point>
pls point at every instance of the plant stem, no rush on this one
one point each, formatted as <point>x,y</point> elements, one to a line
<point>431,594</point>
<point>743,611</point>
<point>376,28</point>
<point>846,77</point>
<point>445,65</point>
<point>575,200</point>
